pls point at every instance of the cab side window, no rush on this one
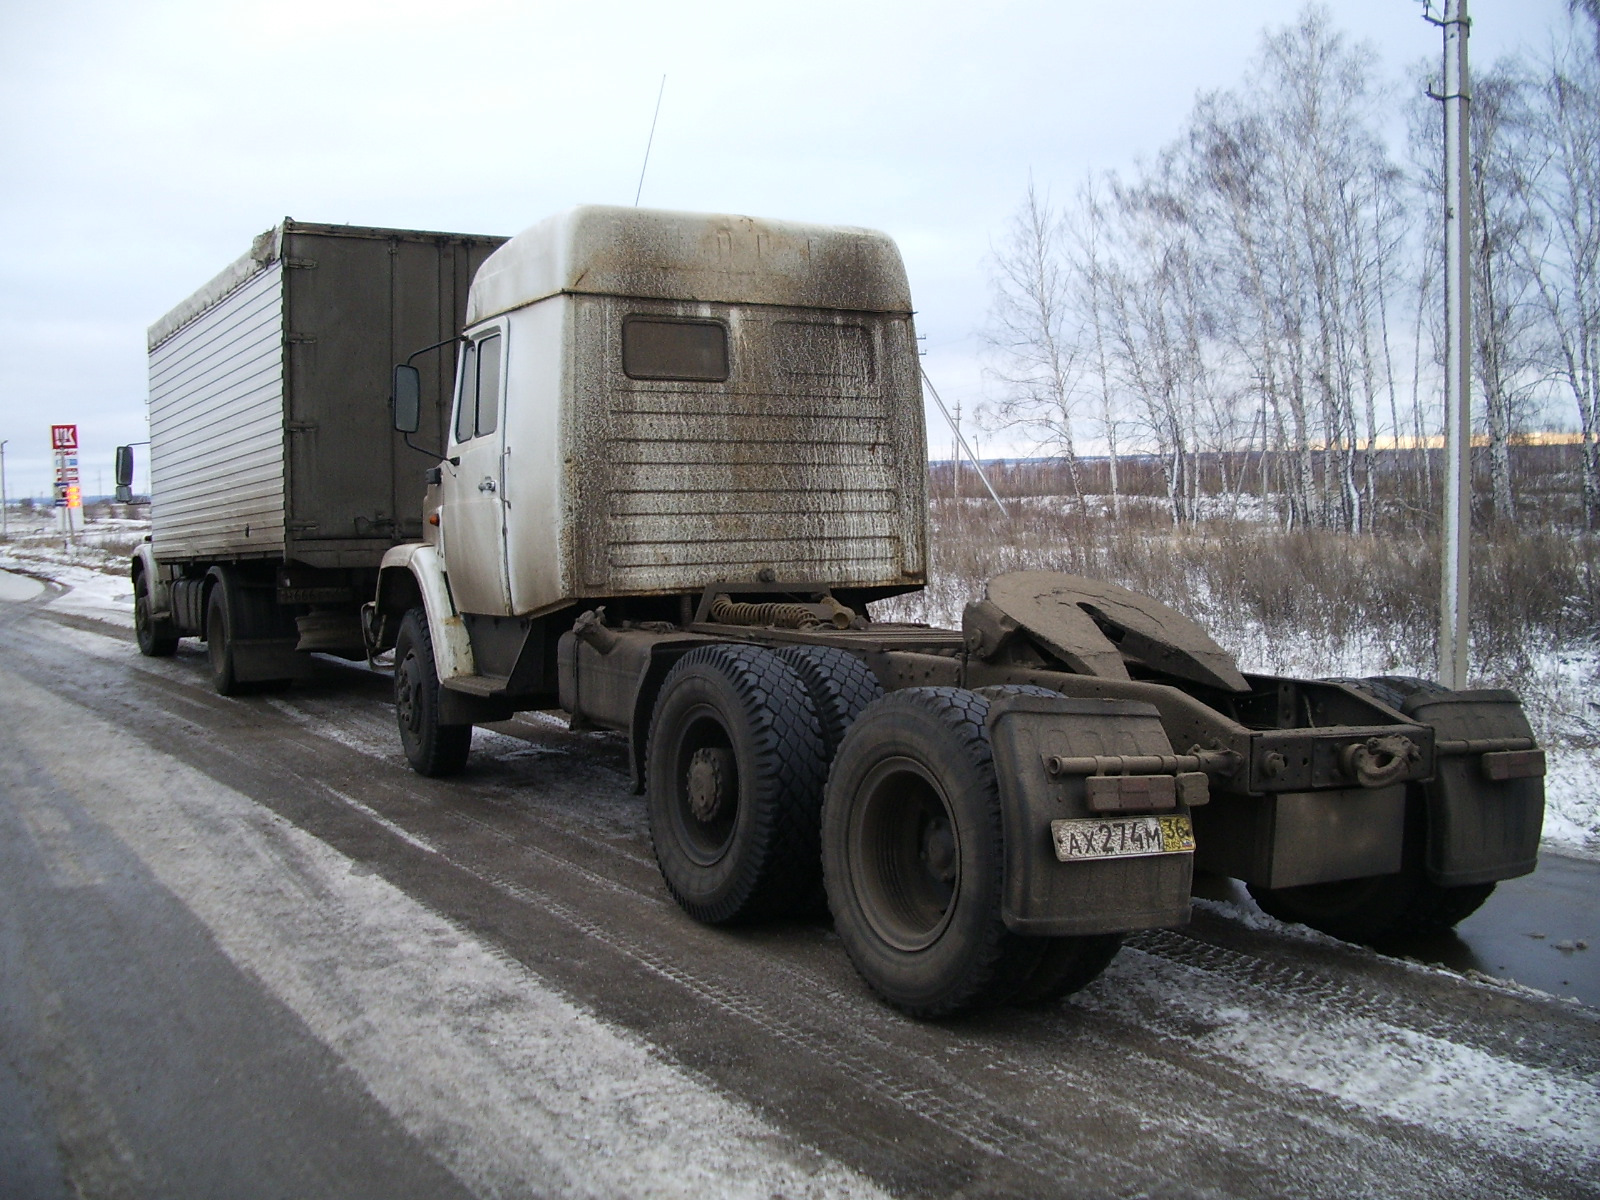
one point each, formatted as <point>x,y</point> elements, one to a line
<point>488,383</point>
<point>478,406</point>
<point>467,401</point>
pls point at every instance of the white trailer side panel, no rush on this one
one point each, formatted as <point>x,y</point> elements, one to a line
<point>217,427</point>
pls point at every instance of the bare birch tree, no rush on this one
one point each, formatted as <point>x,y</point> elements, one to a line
<point>1033,336</point>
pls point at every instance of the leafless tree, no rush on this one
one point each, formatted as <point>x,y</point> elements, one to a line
<point>1564,193</point>
<point>1035,340</point>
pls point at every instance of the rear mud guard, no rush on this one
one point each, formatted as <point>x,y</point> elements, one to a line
<point>1486,801</point>
<point>1045,895</point>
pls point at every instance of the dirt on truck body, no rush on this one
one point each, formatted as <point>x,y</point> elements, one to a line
<point>685,457</point>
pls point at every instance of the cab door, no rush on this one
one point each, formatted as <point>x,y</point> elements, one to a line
<point>472,513</point>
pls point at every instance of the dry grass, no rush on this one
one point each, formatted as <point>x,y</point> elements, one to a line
<point>1306,602</point>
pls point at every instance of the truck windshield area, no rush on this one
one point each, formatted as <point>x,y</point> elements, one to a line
<point>655,348</point>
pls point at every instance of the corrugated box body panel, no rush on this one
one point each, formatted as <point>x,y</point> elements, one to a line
<point>216,426</point>
<point>809,459</point>
<point>270,427</point>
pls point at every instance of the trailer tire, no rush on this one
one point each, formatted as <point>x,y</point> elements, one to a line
<point>433,749</point>
<point>157,639</point>
<point>913,856</point>
<point>1394,690</point>
<point>734,775</point>
<point>841,686</point>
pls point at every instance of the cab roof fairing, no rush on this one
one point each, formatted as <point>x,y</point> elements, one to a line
<point>698,257</point>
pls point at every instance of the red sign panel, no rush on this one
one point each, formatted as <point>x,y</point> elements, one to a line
<point>64,437</point>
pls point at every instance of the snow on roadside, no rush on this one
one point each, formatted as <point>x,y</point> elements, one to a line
<point>1374,1065</point>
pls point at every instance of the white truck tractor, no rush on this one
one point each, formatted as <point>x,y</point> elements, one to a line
<point>682,459</point>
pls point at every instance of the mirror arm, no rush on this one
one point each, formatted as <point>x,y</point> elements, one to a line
<point>427,349</point>
<point>434,454</point>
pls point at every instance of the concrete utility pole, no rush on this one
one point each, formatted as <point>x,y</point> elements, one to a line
<point>5,504</point>
<point>955,487</point>
<point>1453,600</point>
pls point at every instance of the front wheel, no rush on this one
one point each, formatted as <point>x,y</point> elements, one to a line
<point>156,638</point>
<point>913,856</point>
<point>432,748</point>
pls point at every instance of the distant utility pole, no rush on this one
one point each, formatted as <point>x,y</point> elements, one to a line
<point>1454,630</point>
<point>5,505</point>
<point>955,456</point>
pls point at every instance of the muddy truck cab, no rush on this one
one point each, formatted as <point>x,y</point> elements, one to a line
<point>685,456</point>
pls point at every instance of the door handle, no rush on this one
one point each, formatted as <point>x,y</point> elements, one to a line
<point>488,485</point>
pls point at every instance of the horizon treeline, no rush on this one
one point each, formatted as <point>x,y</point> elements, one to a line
<point>1257,310</point>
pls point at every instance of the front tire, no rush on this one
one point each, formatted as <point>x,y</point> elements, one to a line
<point>156,639</point>
<point>432,748</point>
<point>734,777</point>
<point>913,856</point>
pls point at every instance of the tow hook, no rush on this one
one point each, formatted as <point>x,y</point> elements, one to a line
<point>1379,761</point>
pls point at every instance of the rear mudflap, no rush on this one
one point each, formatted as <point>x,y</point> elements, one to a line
<point>1486,801</point>
<point>1144,810</point>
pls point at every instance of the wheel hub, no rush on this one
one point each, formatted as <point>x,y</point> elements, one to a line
<point>408,699</point>
<point>938,852</point>
<point>711,782</point>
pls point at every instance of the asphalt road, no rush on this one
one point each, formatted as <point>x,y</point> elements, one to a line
<point>245,952</point>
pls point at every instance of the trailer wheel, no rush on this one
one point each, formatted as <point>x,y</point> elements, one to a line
<point>734,777</point>
<point>841,686</point>
<point>156,639</point>
<point>433,749</point>
<point>913,856</point>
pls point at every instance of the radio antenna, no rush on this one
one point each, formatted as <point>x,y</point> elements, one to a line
<point>649,141</point>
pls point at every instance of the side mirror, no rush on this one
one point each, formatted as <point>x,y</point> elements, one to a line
<point>407,399</point>
<point>124,467</point>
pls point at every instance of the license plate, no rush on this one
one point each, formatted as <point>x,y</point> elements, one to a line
<point>1121,837</point>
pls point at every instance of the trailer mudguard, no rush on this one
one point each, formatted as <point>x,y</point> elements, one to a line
<point>1047,896</point>
<point>452,648</point>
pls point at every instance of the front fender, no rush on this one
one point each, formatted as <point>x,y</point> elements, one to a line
<point>147,574</point>
<point>452,648</point>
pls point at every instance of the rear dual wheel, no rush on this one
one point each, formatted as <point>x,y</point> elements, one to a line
<point>1380,909</point>
<point>913,857</point>
<point>734,775</point>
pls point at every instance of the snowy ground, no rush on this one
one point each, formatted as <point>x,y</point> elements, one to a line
<point>1564,707</point>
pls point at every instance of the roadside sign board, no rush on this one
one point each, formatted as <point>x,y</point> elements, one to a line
<point>64,445</point>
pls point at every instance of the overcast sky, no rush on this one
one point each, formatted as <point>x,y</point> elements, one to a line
<point>144,145</point>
